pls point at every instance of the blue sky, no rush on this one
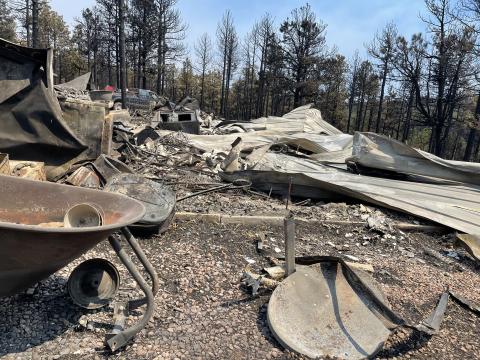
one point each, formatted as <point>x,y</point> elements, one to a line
<point>351,23</point>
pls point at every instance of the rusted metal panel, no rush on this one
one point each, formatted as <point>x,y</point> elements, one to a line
<point>84,177</point>
<point>86,119</point>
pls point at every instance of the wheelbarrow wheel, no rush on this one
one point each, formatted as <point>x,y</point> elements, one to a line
<point>93,283</point>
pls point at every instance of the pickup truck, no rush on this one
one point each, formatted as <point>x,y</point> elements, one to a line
<point>136,99</point>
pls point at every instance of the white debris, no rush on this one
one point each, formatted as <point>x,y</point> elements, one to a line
<point>352,258</point>
<point>250,261</point>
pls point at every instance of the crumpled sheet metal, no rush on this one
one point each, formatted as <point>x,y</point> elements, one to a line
<point>312,120</point>
<point>79,83</point>
<point>328,310</point>
<point>455,206</point>
<point>376,151</point>
<point>333,157</point>
<point>471,243</point>
<point>304,141</point>
<point>302,128</point>
<point>302,119</point>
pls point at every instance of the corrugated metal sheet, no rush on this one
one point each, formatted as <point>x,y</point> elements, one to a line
<point>453,205</point>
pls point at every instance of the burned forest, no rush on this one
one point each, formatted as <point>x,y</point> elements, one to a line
<point>240,192</point>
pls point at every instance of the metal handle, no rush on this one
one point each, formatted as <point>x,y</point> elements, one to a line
<point>143,259</point>
<point>121,338</point>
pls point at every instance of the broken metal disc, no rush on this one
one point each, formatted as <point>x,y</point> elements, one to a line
<point>317,312</point>
<point>159,200</point>
<point>93,283</point>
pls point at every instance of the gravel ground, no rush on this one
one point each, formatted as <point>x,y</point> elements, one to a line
<point>203,311</point>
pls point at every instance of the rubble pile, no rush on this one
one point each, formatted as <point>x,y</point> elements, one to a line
<point>64,93</point>
<point>275,237</point>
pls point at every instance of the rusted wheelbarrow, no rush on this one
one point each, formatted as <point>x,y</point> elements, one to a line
<point>30,252</point>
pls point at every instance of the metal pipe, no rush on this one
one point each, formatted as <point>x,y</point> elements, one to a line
<point>143,258</point>
<point>289,230</point>
<point>124,336</point>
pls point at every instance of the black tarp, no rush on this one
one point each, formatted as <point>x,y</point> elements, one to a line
<point>31,122</point>
<point>32,128</point>
<point>20,67</point>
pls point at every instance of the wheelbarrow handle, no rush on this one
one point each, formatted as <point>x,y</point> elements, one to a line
<point>121,338</point>
<point>143,259</point>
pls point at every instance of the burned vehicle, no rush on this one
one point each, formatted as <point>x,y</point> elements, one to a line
<point>136,99</point>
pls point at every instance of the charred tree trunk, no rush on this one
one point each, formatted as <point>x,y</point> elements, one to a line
<point>382,94</point>
<point>408,116</point>
<point>35,34</point>
<point>123,70</point>
<point>472,135</point>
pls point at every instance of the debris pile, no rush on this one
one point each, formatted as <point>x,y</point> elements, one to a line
<point>135,171</point>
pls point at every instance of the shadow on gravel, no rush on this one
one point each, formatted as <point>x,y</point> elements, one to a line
<point>415,340</point>
<point>29,320</point>
<point>262,326</point>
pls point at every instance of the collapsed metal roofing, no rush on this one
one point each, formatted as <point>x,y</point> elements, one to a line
<point>435,189</point>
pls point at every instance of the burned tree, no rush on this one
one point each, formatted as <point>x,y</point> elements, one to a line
<point>438,72</point>
<point>35,11</point>
<point>203,51</point>
<point>470,17</point>
<point>382,49</point>
<point>227,42</point>
<point>303,40</point>
<point>123,70</point>
<point>170,34</point>
<point>143,17</point>
<point>353,76</point>
<point>333,93</point>
<point>265,34</point>
<point>7,22</point>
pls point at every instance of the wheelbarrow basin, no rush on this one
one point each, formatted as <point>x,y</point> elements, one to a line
<point>30,253</point>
